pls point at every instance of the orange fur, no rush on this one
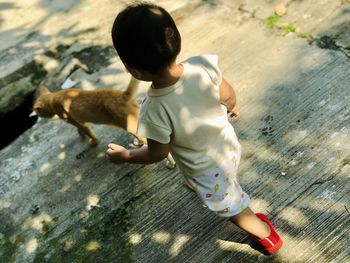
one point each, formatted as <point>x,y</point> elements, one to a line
<point>78,107</point>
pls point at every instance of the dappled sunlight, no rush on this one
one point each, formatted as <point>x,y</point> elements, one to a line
<point>185,115</point>
<point>88,84</point>
<point>84,215</point>
<point>61,156</point>
<point>332,147</point>
<point>70,97</point>
<point>180,241</point>
<point>258,204</point>
<point>93,246</point>
<point>92,201</point>
<point>114,76</point>
<point>174,243</point>
<point>68,244</point>
<point>69,100</point>
<point>32,137</point>
<point>52,64</point>
<point>31,45</point>
<point>233,246</point>
<point>101,155</point>
<point>294,248</point>
<point>289,214</point>
<point>65,188</point>
<point>45,167</point>
<point>161,237</point>
<point>4,204</point>
<point>31,245</point>
<point>327,200</point>
<point>265,152</point>
<point>12,51</point>
<point>77,178</point>
<point>135,239</point>
<point>310,165</point>
<point>296,136</point>
<point>40,222</point>
<point>339,139</point>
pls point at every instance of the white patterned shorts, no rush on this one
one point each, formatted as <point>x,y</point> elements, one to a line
<point>220,190</point>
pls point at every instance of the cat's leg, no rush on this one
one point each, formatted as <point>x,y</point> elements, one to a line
<point>83,129</point>
<point>81,134</point>
<point>131,127</point>
<point>170,162</point>
<point>138,141</point>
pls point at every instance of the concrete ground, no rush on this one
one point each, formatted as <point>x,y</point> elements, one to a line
<point>62,201</point>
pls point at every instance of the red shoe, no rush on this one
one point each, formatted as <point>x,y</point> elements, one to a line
<point>273,242</point>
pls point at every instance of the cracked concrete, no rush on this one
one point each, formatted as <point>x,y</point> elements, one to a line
<point>61,200</point>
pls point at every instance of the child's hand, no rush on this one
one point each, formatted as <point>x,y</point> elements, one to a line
<point>234,112</point>
<point>117,153</point>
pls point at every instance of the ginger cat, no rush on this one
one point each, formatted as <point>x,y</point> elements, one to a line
<point>78,107</point>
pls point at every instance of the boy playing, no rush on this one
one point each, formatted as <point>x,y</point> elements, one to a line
<point>185,113</point>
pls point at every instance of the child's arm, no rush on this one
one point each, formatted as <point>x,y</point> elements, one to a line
<point>228,98</point>
<point>152,153</point>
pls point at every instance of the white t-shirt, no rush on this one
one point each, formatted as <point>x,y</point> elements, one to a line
<point>189,116</point>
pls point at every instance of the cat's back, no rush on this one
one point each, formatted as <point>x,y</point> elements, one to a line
<point>76,93</point>
<point>91,105</point>
<point>89,96</point>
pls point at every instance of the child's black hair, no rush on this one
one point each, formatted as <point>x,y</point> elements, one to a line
<point>146,37</point>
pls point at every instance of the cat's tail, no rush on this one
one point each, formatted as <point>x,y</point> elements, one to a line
<point>131,91</point>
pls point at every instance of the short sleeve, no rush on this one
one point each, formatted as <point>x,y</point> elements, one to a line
<point>211,64</point>
<point>154,122</point>
<point>154,132</point>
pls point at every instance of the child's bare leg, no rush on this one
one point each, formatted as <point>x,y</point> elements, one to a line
<point>249,222</point>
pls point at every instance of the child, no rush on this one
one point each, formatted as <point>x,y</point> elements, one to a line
<point>185,113</point>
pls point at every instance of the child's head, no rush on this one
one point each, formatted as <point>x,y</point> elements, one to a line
<point>146,37</point>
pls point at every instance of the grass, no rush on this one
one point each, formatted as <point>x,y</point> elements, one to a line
<point>287,28</point>
<point>271,21</point>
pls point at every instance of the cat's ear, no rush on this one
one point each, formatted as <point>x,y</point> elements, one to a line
<point>42,89</point>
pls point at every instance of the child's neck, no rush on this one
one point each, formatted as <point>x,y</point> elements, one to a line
<point>168,77</point>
